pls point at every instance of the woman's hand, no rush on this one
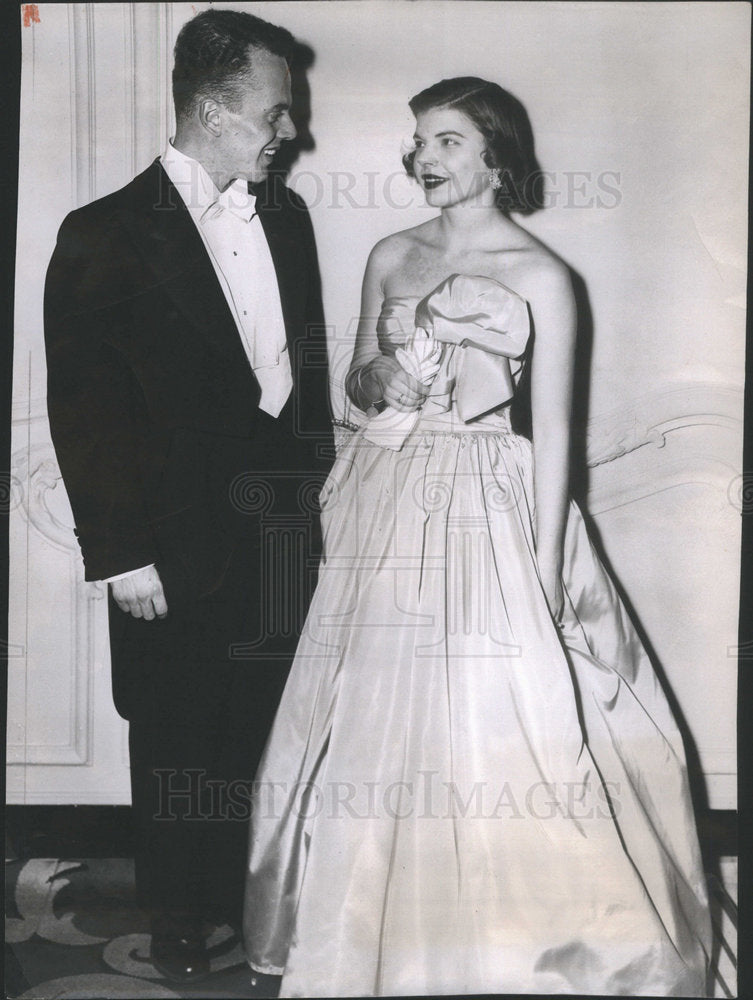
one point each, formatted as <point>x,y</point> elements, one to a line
<point>396,387</point>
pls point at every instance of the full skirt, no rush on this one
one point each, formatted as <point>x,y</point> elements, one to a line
<point>461,795</point>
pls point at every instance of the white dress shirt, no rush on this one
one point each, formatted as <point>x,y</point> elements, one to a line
<point>233,235</point>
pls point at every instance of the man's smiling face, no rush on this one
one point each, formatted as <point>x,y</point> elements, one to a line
<point>260,122</point>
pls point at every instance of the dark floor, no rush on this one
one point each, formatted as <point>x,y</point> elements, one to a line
<point>105,832</point>
<point>68,832</point>
<point>73,929</point>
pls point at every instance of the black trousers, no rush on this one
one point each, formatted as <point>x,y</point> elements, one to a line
<point>200,689</point>
<point>190,793</point>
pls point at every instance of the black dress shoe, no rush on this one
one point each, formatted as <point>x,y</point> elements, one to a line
<point>178,950</point>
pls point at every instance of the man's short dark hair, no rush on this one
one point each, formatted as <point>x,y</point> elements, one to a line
<point>215,49</point>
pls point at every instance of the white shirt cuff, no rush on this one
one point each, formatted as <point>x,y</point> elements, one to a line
<point>122,576</point>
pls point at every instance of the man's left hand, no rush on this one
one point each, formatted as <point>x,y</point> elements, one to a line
<point>141,594</point>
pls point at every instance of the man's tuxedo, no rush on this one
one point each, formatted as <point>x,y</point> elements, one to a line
<point>167,459</point>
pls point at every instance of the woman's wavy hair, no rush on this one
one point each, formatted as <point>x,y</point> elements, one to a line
<point>504,124</point>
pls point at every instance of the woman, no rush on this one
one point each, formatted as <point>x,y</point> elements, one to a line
<point>474,783</point>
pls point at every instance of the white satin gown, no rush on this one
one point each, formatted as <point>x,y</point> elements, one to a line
<point>460,795</point>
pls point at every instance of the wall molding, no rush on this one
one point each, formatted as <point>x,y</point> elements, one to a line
<point>650,417</point>
<point>115,792</point>
<point>654,420</point>
<point>35,474</point>
<point>129,90</point>
<point>83,102</point>
<point>678,473</point>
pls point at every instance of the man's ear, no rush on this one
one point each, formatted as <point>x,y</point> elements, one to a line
<point>210,116</point>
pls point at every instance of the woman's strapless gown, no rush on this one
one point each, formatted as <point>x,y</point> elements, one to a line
<point>458,796</point>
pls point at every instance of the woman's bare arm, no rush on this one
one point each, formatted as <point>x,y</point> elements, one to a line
<point>373,377</point>
<point>554,318</point>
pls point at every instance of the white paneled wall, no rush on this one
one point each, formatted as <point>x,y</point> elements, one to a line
<point>95,110</point>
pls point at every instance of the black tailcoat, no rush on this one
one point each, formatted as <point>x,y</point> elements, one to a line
<point>168,459</point>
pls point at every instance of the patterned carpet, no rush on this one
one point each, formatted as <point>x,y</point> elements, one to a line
<point>73,931</point>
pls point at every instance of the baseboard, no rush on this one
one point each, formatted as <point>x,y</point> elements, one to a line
<point>68,832</point>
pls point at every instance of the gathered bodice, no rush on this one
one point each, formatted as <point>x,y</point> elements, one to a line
<point>483,328</point>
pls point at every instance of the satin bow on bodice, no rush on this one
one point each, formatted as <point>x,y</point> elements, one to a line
<point>488,323</point>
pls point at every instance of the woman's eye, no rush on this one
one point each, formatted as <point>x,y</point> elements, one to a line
<point>447,141</point>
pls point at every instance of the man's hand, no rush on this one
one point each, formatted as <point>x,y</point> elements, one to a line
<point>141,594</point>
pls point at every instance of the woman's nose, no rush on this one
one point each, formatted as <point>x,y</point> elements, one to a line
<point>424,155</point>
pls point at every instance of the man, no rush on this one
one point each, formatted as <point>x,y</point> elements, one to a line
<point>187,402</point>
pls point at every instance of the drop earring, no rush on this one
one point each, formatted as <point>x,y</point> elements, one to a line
<point>494,179</point>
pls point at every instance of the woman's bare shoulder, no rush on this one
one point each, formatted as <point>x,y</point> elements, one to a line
<point>394,247</point>
<point>538,269</point>
<point>394,253</point>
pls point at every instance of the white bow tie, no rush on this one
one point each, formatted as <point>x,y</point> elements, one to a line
<point>235,199</point>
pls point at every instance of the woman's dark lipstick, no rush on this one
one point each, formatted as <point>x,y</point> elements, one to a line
<point>432,180</point>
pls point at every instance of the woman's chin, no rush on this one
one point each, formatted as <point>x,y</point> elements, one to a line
<point>436,197</point>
